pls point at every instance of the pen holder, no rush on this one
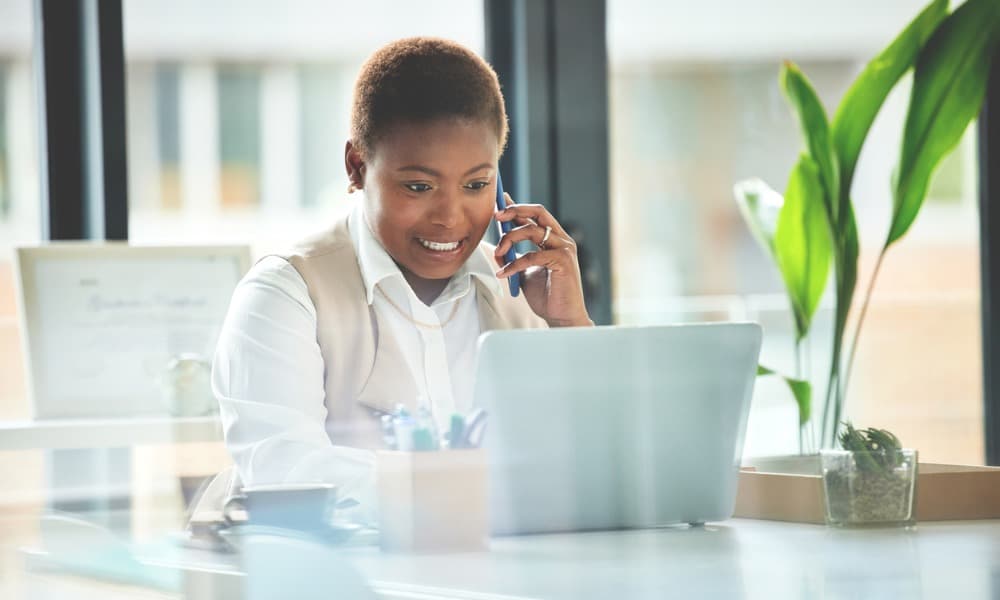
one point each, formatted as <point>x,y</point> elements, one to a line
<point>432,501</point>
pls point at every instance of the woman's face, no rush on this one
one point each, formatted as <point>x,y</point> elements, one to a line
<point>429,193</point>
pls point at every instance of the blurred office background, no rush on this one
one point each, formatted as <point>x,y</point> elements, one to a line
<point>237,114</point>
<point>695,107</point>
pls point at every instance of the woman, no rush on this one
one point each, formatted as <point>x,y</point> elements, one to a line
<point>385,307</point>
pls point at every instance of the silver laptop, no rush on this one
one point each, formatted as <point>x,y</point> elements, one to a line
<point>615,427</point>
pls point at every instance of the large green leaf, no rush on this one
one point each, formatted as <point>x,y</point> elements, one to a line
<point>848,250</point>
<point>760,206</point>
<point>863,100</point>
<point>800,389</point>
<point>815,130</point>
<point>802,242</point>
<point>949,84</point>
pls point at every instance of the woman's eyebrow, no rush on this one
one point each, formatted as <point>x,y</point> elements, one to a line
<point>434,173</point>
<point>477,168</point>
<point>420,168</point>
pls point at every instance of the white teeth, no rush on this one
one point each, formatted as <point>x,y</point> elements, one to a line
<point>439,247</point>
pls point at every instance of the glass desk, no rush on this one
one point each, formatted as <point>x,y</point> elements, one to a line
<point>734,559</point>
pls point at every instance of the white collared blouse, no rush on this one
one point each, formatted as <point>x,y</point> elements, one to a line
<point>275,427</point>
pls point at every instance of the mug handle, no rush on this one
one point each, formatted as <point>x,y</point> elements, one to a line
<point>237,501</point>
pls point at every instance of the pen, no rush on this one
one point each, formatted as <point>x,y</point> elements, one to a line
<point>403,426</point>
<point>427,429</point>
<point>456,430</point>
<point>388,431</point>
<point>475,428</point>
<point>423,440</point>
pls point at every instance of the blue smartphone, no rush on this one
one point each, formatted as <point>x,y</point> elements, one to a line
<point>514,280</point>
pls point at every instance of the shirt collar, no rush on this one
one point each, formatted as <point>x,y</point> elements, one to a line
<point>376,264</point>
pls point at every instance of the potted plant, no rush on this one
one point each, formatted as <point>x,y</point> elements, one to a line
<point>870,481</point>
<point>811,229</point>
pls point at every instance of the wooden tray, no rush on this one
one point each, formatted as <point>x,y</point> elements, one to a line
<point>791,489</point>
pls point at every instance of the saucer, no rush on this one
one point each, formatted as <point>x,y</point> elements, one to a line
<point>333,534</point>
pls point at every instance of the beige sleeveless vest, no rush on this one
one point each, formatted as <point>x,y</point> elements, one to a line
<point>365,371</point>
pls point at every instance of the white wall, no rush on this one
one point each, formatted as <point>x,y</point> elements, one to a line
<point>647,30</point>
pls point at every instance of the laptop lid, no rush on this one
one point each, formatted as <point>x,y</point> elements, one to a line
<point>615,427</point>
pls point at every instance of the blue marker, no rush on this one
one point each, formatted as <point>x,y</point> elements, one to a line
<point>514,280</point>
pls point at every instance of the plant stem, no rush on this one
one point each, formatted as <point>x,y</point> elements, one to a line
<point>798,375</point>
<point>809,425</point>
<point>798,358</point>
<point>834,362</point>
<point>826,398</point>
<point>833,397</point>
<point>828,403</point>
<point>807,376</point>
<point>837,409</point>
<point>861,320</point>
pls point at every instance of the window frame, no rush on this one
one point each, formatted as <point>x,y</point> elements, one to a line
<point>989,251</point>
<point>81,105</point>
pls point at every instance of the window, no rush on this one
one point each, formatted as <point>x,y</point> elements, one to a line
<point>236,130</point>
<point>20,224</point>
<point>695,107</point>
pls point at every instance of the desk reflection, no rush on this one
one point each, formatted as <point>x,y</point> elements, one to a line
<point>734,559</point>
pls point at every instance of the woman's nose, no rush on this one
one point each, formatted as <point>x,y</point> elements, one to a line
<point>447,210</point>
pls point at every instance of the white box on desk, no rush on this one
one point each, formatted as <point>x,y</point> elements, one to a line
<point>432,501</point>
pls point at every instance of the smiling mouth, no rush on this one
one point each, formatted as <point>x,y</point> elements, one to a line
<point>441,246</point>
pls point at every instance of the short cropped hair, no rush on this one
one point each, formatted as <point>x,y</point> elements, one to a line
<point>421,79</point>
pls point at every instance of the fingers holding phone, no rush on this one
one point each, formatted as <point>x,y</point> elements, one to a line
<point>551,278</point>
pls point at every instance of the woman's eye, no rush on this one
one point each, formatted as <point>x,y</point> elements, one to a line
<point>417,187</point>
<point>477,185</point>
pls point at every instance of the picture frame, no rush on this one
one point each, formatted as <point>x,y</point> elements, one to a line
<point>106,324</point>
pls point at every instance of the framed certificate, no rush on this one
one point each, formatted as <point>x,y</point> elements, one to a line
<point>105,325</point>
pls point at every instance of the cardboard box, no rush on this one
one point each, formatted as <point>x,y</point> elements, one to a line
<point>432,501</point>
<point>791,489</point>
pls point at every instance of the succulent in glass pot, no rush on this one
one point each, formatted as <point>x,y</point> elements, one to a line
<point>870,481</point>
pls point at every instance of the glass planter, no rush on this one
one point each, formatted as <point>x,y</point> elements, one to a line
<point>869,488</point>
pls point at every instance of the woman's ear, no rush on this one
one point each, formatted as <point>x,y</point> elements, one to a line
<point>355,166</point>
